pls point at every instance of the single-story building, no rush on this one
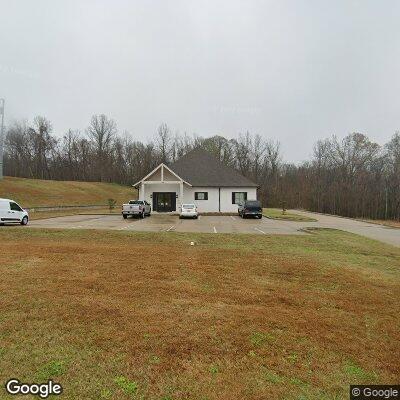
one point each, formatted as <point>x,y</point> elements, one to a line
<point>197,177</point>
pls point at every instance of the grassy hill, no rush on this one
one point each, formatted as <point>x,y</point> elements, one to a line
<point>37,192</point>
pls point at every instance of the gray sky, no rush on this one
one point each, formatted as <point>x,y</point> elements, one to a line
<point>294,71</point>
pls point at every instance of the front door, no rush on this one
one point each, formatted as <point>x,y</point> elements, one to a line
<point>164,201</point>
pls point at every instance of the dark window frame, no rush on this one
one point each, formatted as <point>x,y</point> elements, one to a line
<point>196,194</point>
<point>234,201</point>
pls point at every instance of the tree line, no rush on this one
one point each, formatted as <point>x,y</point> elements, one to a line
<point>353,177</point>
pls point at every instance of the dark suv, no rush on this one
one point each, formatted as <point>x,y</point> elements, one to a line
<point>250,208</point>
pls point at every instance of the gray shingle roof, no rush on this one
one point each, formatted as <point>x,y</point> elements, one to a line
<point>200,168</point>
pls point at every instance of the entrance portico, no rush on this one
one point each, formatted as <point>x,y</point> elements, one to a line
<point>162,188</point>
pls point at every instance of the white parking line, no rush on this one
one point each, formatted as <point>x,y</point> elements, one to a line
<point>171,227</point>
<point>199,216</point>
<point>215,230</point>
<point>232,217</point>
<point>259,230</point>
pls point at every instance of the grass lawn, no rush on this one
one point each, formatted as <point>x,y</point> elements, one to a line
<point>122,315</point>
<point>34,215</point>
<point>37,192</point>
<point>276,213</point>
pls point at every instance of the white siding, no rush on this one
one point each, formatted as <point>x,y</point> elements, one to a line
<point>226,197</point>
<point>210,205</point>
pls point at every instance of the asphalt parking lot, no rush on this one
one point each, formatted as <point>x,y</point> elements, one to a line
<point>168,223</point>
<point>220,224</point>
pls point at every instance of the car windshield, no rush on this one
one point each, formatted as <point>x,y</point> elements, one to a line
<point>136,202</point>
<point>253,204</point>
<point>189,206</point>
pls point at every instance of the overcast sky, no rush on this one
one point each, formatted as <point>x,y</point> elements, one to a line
<point>294,71</point>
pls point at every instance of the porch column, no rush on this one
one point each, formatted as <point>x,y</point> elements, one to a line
<point>143,197</point>
<point>181,192</point>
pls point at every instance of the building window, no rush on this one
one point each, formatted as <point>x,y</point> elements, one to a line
<point>239,197</point>
<point>201,195</point>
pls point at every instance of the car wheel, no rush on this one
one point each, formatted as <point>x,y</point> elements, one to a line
<point>142,216</point>
<point>24,221</point>
<point>124,216</point>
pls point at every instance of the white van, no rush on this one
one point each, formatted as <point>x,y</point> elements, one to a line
<point>10,211</point>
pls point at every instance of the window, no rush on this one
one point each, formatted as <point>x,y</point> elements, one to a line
<point>201,195</point>
<point>253,203</point>
<point>239,197</point>
<point>14,207</point>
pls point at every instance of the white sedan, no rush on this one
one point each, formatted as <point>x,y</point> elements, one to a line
<point>188,211</point>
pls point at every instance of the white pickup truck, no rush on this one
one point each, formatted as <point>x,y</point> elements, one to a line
<point>139,208</point>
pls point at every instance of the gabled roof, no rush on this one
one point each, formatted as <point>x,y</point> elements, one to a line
<point>162,165</point>
<point>200,168</point>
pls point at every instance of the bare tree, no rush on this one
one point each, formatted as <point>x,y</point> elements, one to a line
<point>101,132</point>
<point>164,142</point>
<point>352,176</point>
<point>43,144</point>
<point>18,154</point>
<point>219,146</point>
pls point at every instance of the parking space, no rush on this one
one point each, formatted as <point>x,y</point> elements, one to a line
<point>169,223</point>
<point>219,224</point>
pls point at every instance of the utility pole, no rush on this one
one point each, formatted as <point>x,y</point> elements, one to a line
<point>2,101</point>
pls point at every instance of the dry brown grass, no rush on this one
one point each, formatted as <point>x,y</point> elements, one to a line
<point>35,215</point>
<point>234,317</point>
<point>276,213</point>
<point>41,193</point>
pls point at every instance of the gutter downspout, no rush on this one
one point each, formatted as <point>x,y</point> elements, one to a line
<point>219,199</point>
